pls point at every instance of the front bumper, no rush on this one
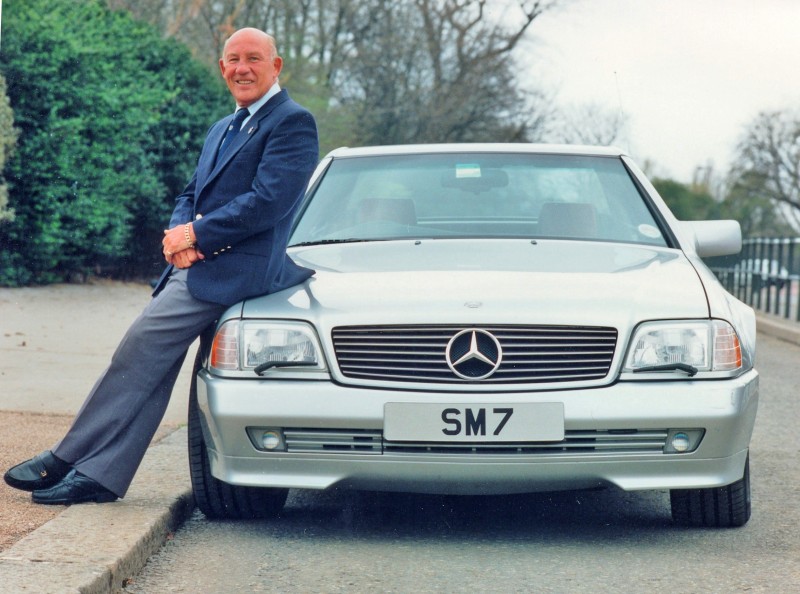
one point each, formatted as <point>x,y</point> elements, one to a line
<point>631,416</point>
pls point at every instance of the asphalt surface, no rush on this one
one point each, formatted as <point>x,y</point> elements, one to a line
<point>98,548</point>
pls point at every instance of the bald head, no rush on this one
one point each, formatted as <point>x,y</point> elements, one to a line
<point>250,65</point>
<point>254,35</point>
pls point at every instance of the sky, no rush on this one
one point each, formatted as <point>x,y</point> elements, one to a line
<point>690,75</point>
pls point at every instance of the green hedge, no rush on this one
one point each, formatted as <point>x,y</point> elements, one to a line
<point>111,119</point>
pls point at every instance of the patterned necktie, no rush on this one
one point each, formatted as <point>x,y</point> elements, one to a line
<point>233,130</point>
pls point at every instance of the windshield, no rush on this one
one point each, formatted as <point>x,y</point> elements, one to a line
<point>476,195</point>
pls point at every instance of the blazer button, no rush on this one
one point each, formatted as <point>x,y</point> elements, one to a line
<point>198,217</point>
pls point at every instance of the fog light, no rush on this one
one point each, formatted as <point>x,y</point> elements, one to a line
<point>271,440</point>
<point>680,442</point>
<point>267,439</point>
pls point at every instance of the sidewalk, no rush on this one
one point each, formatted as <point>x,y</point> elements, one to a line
<point>94,549</point>
<point>778,327</point>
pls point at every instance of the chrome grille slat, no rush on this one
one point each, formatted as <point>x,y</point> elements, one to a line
<point>388,369</point>
<point>348,355</point>
<point>382,360</point>
<point>361,441</point>
<point>531,354</point>
<point>333,441</point>
<point>495,378</point>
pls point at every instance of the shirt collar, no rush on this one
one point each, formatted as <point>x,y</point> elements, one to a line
<point>254,107</point>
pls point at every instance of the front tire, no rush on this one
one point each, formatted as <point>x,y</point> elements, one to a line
<point>215,498</point>
<point>720,507</point>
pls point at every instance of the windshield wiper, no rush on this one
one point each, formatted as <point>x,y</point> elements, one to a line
<point>327,241</point>
<point>270,364</point>
<point>690,370</point>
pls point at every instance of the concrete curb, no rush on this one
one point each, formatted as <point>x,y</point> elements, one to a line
<point>92,548</point>
<point>778,327</point>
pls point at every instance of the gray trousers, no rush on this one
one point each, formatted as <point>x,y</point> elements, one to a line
<point>116,423</point>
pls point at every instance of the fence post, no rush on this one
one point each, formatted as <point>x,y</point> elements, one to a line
<point>786,287</point>
<point>764,263</point>
<point>755,280</point>
<point>766,275</point>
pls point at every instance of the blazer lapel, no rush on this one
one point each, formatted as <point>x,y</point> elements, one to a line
<point>207,161</point>
<point>241,139</point>
<point>249,131</point>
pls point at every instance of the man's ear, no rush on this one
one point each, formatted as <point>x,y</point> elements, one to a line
<point>222,67</point>
<point>277,63</point>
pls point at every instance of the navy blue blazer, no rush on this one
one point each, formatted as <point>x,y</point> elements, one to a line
<point>242,206</point>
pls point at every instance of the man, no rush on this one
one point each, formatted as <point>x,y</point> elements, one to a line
<point>226,241</point>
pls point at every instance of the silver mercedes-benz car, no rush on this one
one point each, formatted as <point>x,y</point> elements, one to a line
<point>484,319</point>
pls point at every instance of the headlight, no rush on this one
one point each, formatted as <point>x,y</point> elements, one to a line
<point>692,346</point>
<point>262,346</point>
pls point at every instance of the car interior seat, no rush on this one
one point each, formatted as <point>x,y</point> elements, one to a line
<point>394,210</point>
<point>567,219</point>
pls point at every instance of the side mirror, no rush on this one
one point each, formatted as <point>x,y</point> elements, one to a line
<point>715,238</point>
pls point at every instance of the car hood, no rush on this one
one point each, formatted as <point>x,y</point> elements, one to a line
<point>488,282</point>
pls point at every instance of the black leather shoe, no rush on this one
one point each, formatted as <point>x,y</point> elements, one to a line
<point>74,488</point>
<point>40,472</point>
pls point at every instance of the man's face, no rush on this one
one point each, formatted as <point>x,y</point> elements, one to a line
<point>248,66</point>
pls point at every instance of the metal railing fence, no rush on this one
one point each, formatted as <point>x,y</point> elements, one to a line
<point>765,275</point>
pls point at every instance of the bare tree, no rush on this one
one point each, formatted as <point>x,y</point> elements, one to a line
<point>390,71</point>
<point>589,123</point>
<point>438,70</point>
<point>768,161</point>
<point>307,30</point>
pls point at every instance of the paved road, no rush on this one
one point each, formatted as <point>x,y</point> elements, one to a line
<point>596,541</point>
<point>56,340</point>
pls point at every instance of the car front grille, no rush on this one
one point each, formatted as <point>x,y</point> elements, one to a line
<point>530,354</point>
<point>360,441</point>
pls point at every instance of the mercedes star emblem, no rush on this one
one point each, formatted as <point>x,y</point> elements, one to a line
<point>474,354</point>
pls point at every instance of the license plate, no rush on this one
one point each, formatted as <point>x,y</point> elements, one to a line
<point>532,421</point>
